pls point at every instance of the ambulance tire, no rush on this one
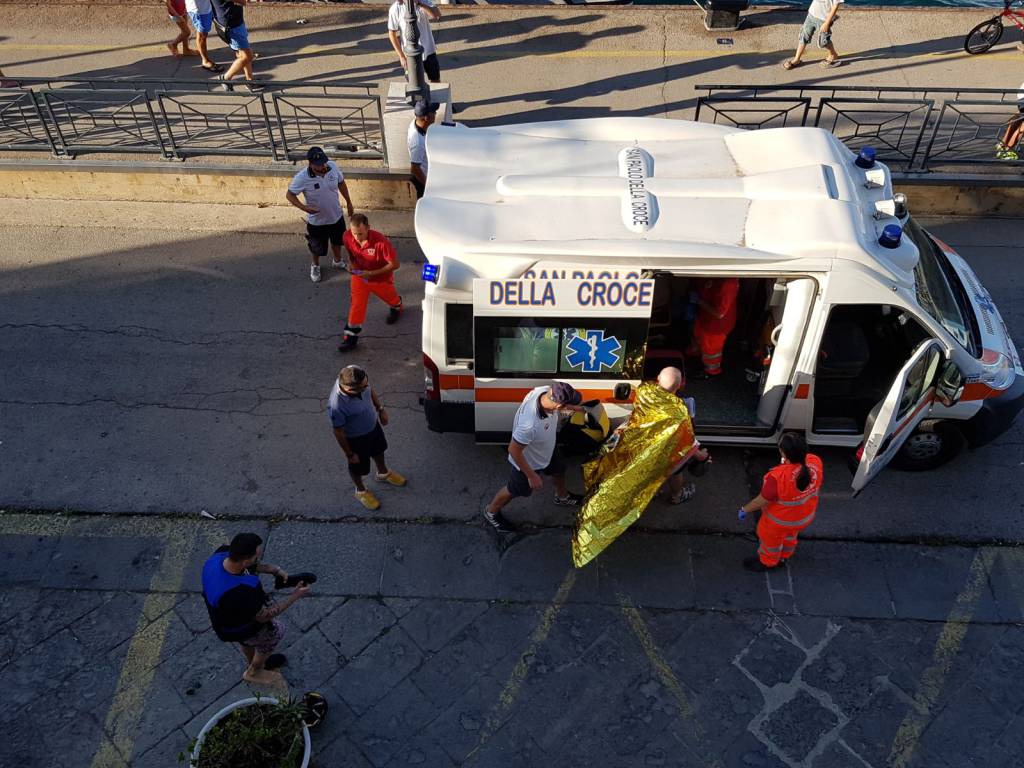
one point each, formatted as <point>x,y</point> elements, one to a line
<point>930,448</point>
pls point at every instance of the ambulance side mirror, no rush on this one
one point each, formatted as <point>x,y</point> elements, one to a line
<point>950,386</point>
<point>622,391</point>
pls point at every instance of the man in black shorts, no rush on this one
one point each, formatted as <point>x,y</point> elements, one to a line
<point>357,417</point>
<point>320,182</point>
<point>532,451</point>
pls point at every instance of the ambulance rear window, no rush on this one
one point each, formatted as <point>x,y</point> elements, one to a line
<point>458,331</point>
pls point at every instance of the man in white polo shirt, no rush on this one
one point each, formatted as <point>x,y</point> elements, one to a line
<point>398,30</point>
<point>424,112</point>
<point>532,451</point>
<point>320,184</point>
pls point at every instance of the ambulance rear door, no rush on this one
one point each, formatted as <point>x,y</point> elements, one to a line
<point>907,404</point>
<point>590,333</point>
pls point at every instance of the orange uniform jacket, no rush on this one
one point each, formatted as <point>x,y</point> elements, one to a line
<point>783,519</point>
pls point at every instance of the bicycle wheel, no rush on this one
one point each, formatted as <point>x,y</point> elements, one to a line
<point>984,36</point>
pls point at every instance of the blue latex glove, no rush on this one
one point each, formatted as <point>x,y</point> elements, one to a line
<point>742,514</point>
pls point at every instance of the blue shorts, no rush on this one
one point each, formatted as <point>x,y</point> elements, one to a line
<point>202,22</point>
<point>238,38</point>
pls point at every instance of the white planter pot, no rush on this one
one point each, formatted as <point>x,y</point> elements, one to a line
<point>231,708</point>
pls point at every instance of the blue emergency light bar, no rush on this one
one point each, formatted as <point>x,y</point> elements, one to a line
<point>866,158</point>
<point>431,272</point>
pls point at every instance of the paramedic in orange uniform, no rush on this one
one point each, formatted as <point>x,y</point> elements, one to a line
<point>372,263</point>
<point>716,317</point>
<point>788,501</point>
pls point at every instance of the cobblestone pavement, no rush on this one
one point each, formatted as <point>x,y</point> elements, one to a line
<point>434,648</point>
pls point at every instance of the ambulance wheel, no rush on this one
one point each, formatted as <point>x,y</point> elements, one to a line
<point>929,448</point>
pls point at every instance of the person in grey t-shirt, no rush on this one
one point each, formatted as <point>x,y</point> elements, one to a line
<point>820,18</point>
<point>357,417</point>
<point>320,183</point>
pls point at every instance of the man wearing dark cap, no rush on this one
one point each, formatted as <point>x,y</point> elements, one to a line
<point>532,451</point>
<point>358,417</point>
<point>424,112</point>
<point>320,182</point>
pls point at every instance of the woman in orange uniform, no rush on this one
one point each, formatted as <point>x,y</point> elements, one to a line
<point>788,501</point>
<point>716,317</point>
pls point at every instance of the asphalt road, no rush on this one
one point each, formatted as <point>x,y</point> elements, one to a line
<point>156,361</point>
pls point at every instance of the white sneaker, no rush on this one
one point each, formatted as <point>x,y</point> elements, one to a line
<point>342,264</point>
<point>314,273</point>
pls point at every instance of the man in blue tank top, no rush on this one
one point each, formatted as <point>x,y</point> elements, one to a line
<point>240,610</point>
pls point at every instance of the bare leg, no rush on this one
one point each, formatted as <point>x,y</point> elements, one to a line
<point>675,483</point>
<point>336,251</point>
<point>382,467</point>
<point>560,489</point>
<point>255,673</point>
<point>799,53</point>
<point>183,36</point>
<point>501,498</point>
<point>247,652</point>
<point>237,65</point>
<point>201,46</point>
<point>833,55</point>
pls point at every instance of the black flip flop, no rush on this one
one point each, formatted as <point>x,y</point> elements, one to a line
<point>316,709</point>
<point>215,68</point>
<point>293,580</point>
<point>275,661</point>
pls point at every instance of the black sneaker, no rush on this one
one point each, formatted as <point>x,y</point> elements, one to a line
<point>225,85</point>
<point>393,314</point>
<point>348,344</point>
<point>569,500</point>
<point>498,521</point>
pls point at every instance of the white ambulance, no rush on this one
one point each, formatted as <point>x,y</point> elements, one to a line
<point>572,250</point>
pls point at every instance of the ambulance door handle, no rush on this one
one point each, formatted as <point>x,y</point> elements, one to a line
<point>622,391</point>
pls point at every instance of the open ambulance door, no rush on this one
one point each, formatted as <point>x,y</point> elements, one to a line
<point>591,333</point>
<point>907,404</point>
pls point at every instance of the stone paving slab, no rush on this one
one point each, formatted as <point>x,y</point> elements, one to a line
<point>444,674</point>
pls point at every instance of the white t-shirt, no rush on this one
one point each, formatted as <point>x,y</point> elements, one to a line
<point>417,146</point>
<point>198,6</point>
<point>396,23</point>
<point>536,434</point>
<point>321,192</point>
<point>820,9</point>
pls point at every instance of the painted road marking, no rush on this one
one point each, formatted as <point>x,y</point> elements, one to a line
<point>144,652</point>
<point>662,668</point>
<point>946,648</point>
<point>146,644</point>
<point>509,694</point>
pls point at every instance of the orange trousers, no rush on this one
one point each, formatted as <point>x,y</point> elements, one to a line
<point>710,346</point>
<point>775,542</point>
<point>361,290</point>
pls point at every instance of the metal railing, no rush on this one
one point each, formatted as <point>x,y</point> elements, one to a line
<point>180,118</point>
<point>912,129</point>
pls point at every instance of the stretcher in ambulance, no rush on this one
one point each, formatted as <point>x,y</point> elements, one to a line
<point>580,250</point>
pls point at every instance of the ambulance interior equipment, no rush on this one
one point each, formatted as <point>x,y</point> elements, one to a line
<point>572,250</point>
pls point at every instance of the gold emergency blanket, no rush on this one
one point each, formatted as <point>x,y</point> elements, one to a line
<point>622,481</point>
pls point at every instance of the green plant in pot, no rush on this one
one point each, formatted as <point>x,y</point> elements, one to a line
<point>254,733</point>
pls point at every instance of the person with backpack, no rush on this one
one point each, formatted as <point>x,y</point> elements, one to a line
<point>788,502</point>
<point>229,18</point>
